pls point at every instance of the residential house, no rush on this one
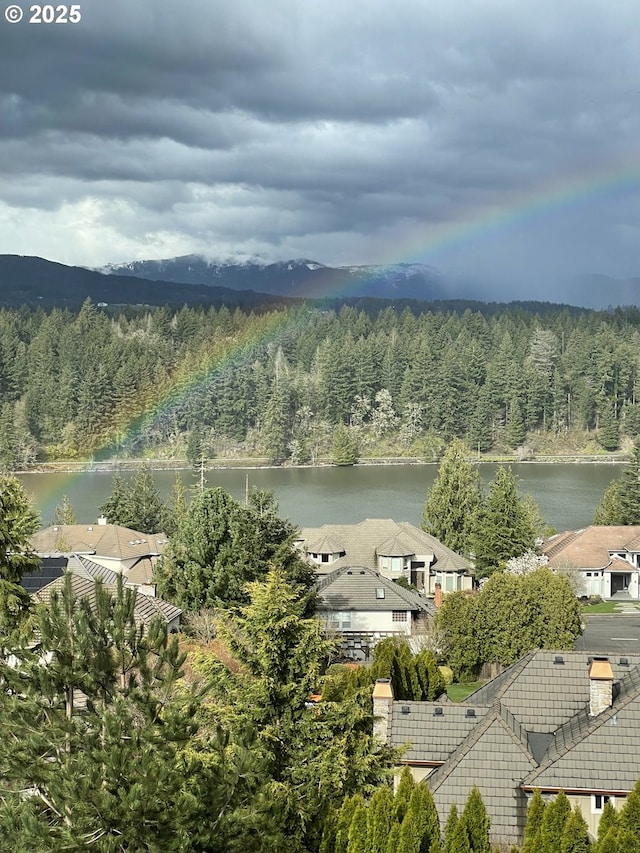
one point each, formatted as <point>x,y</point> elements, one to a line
<point>364,607</point>
<point>147,607</point>
<point>391,548</point>
<point>605,558</point>
<point>115,548</point>
<point>553,721</point>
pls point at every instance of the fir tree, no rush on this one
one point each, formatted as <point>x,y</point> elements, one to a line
<point>503,526</point>
<point>608,431</point>
<point>17,522</point>
<point>629,492</point>
<point>344,446</point>
<point>453,500</point>
<point>609,510</point>
<point>515,432</point>
<point>63,513</point>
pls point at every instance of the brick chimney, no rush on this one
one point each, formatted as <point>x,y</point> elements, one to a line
<point>437,595</point>
<point>600,686</point>
<point>382,702</point>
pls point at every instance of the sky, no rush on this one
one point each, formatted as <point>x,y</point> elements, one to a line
<point>483,137</point>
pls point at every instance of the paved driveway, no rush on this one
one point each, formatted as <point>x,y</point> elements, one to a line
<point>612,634</point>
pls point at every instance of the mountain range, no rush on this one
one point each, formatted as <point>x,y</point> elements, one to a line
<point>193,280</point>
<point>311,279</point>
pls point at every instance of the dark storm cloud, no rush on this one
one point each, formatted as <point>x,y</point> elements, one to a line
<point>310,127</point>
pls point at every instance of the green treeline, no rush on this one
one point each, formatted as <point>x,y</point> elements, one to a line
<point>300,383</point>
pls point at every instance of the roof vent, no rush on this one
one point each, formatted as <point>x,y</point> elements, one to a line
<point>56,529</point>
<point>89,528</point>
<point>405,709</point>
<point>558,659</point>
<point>349,572</point>
<point>362,571</point>
<point>438,712</point>
<point>624,661</point>
<point>471,712</point>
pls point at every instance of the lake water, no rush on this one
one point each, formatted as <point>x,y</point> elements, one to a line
<point>566,494</point>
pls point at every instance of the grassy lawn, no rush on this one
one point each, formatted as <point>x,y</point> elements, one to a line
<point>603,607</point>
<point>458,692</point>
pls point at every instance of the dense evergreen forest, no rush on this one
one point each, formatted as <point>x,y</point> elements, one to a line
<point>297,384</point>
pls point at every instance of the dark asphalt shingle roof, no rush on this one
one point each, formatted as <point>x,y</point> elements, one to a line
<point>432,735</point>
<point>356,588</point>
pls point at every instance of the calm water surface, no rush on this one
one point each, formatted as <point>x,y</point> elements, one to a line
<point>566,494</point>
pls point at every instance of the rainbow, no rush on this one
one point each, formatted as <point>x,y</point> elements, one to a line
<point>419,240</point>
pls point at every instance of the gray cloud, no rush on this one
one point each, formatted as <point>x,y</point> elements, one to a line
<point>347,132</point>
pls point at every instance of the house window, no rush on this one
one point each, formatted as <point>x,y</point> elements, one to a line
<point>397,564</point>
<point>325,558</point>
<point>398,615</point>
<point>339,620</point>
<point>598,801</point>
<point>380,592</point>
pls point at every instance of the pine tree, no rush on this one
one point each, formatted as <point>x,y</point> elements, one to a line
<point>476,822</point>
<point>145,510</point>
<point>17,522</point>
<point>118,780</point>
<point>453,500</point>
<point>515,432</point>
<point>630,813</point>
<point>115,507</point>
<point>503,527</point>
<point>608,431</point>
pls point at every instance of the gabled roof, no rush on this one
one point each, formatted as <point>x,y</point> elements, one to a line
<point>596,753</point>
<point>104,540</point>
<point>146,606</point>
<point>494,758</point>
<point>590,548</point>
<point>545,688</point>
<point>433,729</point>
<point>364,540</point>
<point>356,588</point>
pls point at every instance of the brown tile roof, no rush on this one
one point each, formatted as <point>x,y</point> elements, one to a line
<point>355,588</point>
<point>103,540</point>
<point>589,548</point>
<point>362,541</point>
<point>141,573</point>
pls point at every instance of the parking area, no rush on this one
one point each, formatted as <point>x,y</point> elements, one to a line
<point>611,634</point>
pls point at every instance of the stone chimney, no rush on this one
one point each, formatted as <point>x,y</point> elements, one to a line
<point>437,595</point>
<point>102,520</point>
<point>382,702</point>
<point>600,686</point>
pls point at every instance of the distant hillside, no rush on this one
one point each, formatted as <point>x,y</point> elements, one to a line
<point>35,281</point>
<point>297,278</point>
<point>311,279</point>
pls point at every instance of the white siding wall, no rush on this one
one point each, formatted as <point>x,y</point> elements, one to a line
<point>374,620</point>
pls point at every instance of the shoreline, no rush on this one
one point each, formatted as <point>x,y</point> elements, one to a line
<point>256,463</point>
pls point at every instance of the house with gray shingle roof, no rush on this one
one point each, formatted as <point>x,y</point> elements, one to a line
<point>606,558</point>
<point>363,606</point>
<point>391,548</point>
<point>147,607</point>
<point>552,721</point>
